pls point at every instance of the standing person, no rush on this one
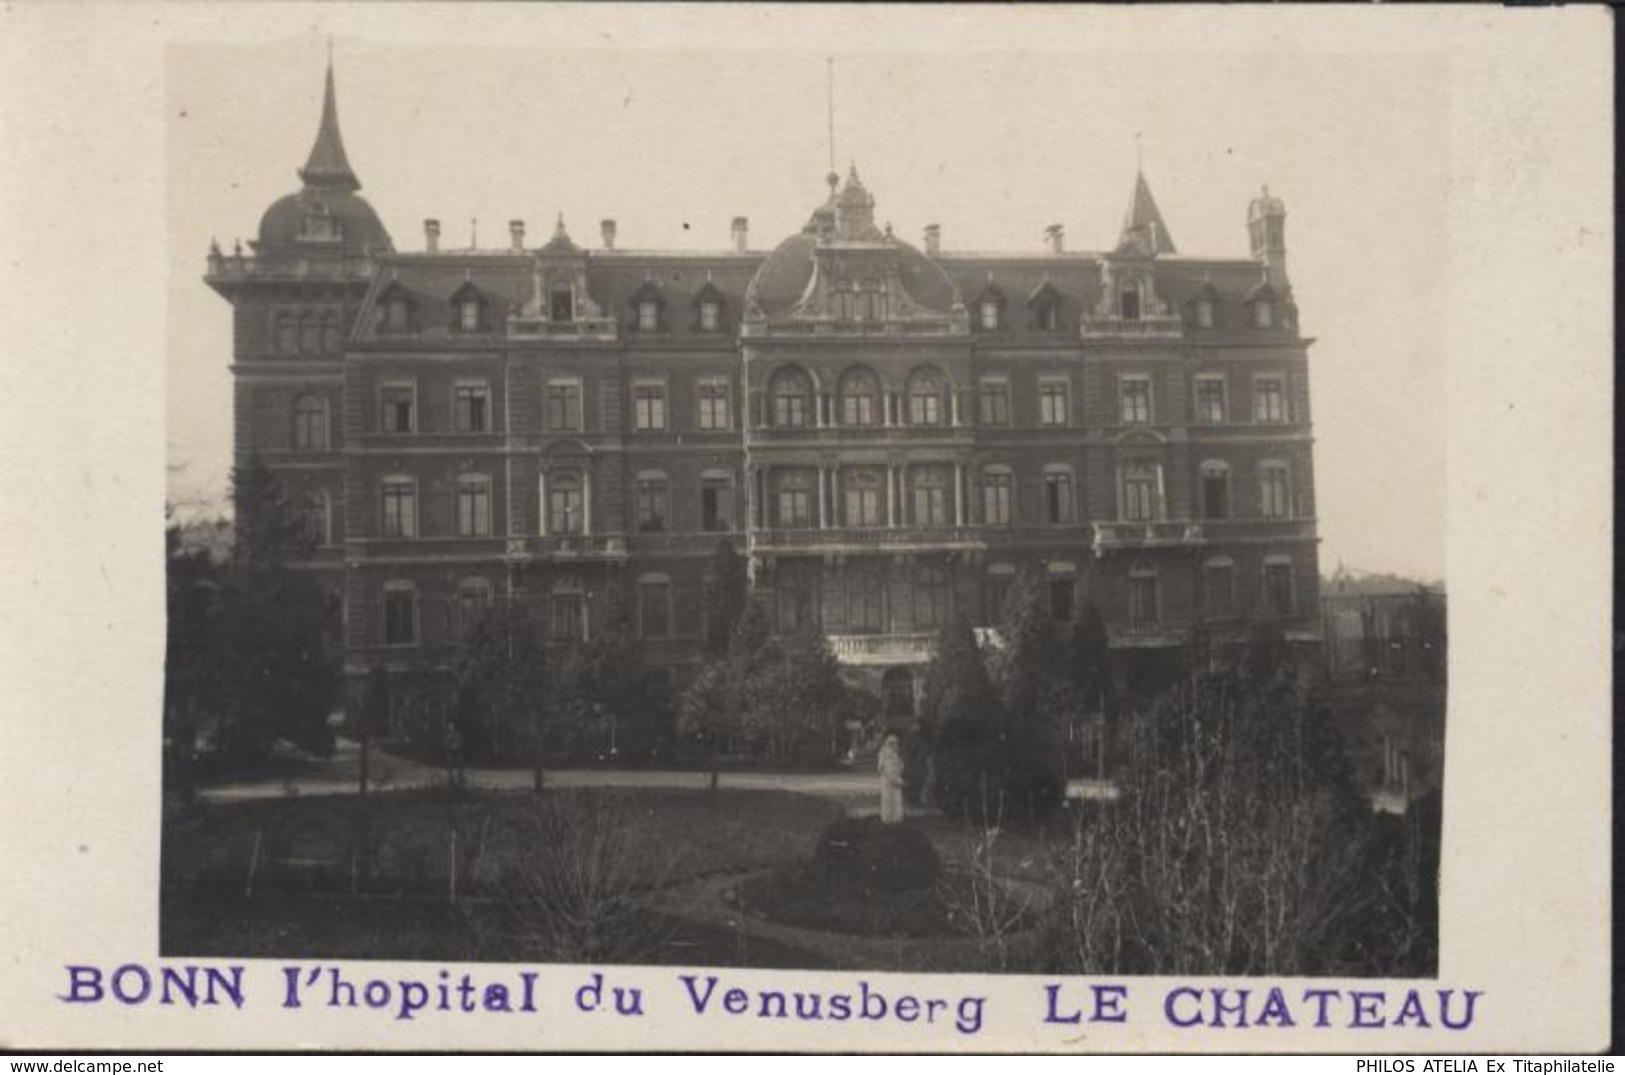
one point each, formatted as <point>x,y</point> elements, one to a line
<point>891,782</point>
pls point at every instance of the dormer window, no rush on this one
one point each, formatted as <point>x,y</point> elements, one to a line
<point>468,309</point>
<point>989,315</point>
<point>561,305</point>
<point>320,227</point>
<point>1045,305</point>
<point>1263,314</point>
<point>395,313</point>
<point>1204,313</point>
<point>710,316</point>
<point>1128,301</point>
<point>468,315</point>
<point>648,316</point>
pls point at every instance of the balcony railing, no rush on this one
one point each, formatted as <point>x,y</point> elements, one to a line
<point>581,328</point>
<point>1093,328</point>
<point>855,435</point>
<point>952,325</point>
<point>228,269</point>
<point>864,539</point>
<point>1147,535</point>
<point>1146,635</point>
<point>881,649</point>
<point>585,547</point>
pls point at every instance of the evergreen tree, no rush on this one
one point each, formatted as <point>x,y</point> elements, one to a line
<point>501,670</point>
<point>724,597</point>
<point>1038,700</point>
<point>971,761</point>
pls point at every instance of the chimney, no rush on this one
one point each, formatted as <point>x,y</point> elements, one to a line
<point>516,233</point>
<point>933,239</point>
<point>1055,238</point>
<point>740,231</point>
<point>606,229</point>
<point>431,235</point>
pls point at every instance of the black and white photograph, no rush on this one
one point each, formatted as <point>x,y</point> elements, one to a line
<point>912,499</point>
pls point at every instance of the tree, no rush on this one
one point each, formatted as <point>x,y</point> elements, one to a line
<point>712,710</point>
<point>971,760</point>
<point>724,598</point>
<point>603,689</point>
<point>1039,702</point>
<point>192,660</point>
<point>794,699</point>
<point>501,673</point>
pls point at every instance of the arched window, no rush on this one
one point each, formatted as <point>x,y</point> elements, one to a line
<point>1274,490</point>
<point>1215,489</point>
<point>843,300</point>
<point>930,598</point>
<point>1140,492</point>
<point>860,397</point>
<point>998,495</point>
<point>790,394</point>
<point>310,424</point>
<point>929,485</point>
<point>927,397</point>
<point>794,488</point>
<point>565,505</point>
<point>871,300</point>
<point>1142,595</point>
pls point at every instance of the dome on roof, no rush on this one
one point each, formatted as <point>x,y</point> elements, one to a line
<point>336,217</point>
<point>782,278</point>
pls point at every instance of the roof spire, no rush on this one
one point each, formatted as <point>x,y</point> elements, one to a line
<point>327,166</point>
<point>1143,225</point>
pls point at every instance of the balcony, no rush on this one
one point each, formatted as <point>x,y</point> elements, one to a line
<point>818,327</point>
<point>1145,328</point>
<point>229,271</point>
<point>861,540</point>
<point>881,649</point>
<point>1146,636</point>
<point>1175,534</point>
<point>857,436</point>
<point>585,548</point>
<point>580,328</point>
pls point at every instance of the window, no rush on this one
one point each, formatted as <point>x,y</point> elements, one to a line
<point>397,314</point>
<point>996,591</point>
<point>710,316</point>
<point>400,614</point>
<point>795,501</point>
<point>1278,597</point>
<point>651,502</point>
<point>1134,394</point>
<point>1057,494</point>
<point>998,486</point>
<point>862,498</point>
<point>716,502</point>
<point>399,405</point>
<point>1052,396</point>
<point>1204,313</point>
<point>1142,492</point>
<point>1129,303</point>
<point>995,405</point>
<point>930,498</point>
<point>563,406</point>
<point>561,305</point>
<point>648,316</point>
<point>1263,314</point>
<point>473,601</point>
<point>1046,311</point>
<point>925,398</point>
<point>795,600</point>
<point>1269,399</point>
<point>565,504</point>
<point>568,624</point>
<point>1142,595</point>
<point>312,517</point>
<point>930,598</point>
<point>473,506</point>
<point>287,334</point>
<point>1219,588</point>
<point>714,409</point>
<point>1274,492</point>
<point>1215,490</point>
<point>860,393</point>
<point>989,315</point>
<point>654,606</point>
<point>310,334</point>
<point>649,407</point>
<point>1061,592</point>
<point>471,408</point>
<point>865,603</point>
<point>790,391</point>
<point>1210,399</point>
<point>400,507</point>
<point>468,315</point>
<point>310,424</point>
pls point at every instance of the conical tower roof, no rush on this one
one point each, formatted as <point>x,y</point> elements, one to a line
<point>328,168</point>
<point>1143,224</point>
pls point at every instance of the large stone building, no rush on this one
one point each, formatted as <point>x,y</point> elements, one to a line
<point>888,432</point>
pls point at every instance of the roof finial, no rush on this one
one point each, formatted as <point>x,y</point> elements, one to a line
<point>328,166</point>
<point>829,80</point>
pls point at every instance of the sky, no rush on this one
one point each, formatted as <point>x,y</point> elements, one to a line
<point>993,128</point>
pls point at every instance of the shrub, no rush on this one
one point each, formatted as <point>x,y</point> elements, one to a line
<point>875,857</point>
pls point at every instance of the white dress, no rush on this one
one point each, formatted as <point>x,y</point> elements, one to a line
<point>891,786</point>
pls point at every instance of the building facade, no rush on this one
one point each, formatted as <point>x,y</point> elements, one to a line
<point>889,433</point>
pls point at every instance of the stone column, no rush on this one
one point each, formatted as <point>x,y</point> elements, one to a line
<point>891,494</point>
<point>959,494</point>
<point>542,487</point>
<point>885,408</point>
<point>586,501</point>
<point>953,407</point>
